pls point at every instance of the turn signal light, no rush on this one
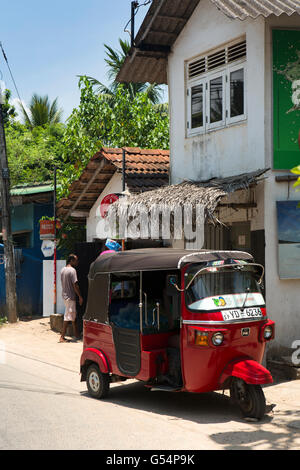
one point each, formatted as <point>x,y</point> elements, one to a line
<point>201,338</point>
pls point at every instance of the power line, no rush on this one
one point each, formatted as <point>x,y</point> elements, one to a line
<point>12,77</point>
<point>137,6</point>
<point>14,82</point>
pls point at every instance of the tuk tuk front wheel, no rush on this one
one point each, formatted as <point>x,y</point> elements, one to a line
<point>97,383</point>
<point>250,398</point>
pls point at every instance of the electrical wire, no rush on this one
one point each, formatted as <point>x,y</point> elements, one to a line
<point>138,6</point>
<point>12,77</point>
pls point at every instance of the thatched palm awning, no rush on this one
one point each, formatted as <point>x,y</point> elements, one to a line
<point>208,193</point>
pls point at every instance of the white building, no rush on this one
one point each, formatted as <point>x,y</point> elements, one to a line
<point>233,72</point>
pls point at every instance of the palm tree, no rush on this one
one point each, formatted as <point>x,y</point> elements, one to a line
<point>114,60</point>
<point>41,112</point>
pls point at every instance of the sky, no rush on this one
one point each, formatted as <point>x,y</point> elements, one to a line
<point>49,43</point>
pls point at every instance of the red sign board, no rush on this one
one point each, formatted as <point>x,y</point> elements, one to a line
<point>106,201</point>
<point>47,231</point>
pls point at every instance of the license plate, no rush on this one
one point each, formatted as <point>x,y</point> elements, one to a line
<point>246,314</point>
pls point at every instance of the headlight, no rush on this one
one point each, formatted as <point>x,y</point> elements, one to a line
<point>217,338</point>
<point>268,331</point>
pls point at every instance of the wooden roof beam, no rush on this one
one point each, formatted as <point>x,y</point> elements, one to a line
<point>88,184</point>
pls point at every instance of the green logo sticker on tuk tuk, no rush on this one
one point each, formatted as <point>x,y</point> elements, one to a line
<point>219,302</point>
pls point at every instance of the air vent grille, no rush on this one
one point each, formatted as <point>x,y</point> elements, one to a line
<point>236,52</point>
<point>197,68</point>
<point>217,59</point>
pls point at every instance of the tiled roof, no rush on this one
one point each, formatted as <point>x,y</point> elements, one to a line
<point>146,169</point>
<point>148,163</point>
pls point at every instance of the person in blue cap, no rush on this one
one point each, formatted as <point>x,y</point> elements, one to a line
<point>112,246</point>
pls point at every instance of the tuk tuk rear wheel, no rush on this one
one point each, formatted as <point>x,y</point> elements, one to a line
<point>250,398</point>
<point>97,383</point>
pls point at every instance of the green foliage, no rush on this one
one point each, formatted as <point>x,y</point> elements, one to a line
<point>296,171</point>
<point>127,122</point>
<point>68,235</point>
<point>46,217</point>
<point>3,320</point>
<point>8,111</point>
<point>114,60</point>
<point>42,112</point>
<point>32,154</point>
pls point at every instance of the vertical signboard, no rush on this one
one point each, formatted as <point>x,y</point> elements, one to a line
<point>47,229</point>
<point>288,220</point>
<point>286,93</point>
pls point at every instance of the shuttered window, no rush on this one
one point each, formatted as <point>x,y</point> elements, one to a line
<point>197,94</point>
<point>216,89</point>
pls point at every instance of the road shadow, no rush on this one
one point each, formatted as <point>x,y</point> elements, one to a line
<point>286,435</point>
<point>198,408</point>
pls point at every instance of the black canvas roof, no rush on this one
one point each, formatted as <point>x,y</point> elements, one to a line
<point>148,259</point>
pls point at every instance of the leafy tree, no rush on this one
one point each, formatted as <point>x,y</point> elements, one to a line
<point>8,111</point>
<point>114,61</point>
<point>130,122</point>
<point>32,154</point>
<point>41,112</point>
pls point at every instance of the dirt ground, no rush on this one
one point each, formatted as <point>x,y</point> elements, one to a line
<point>34,336</point>
<point>280,429</point>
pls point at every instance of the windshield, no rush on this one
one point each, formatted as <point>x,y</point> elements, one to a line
<point>223,288</point>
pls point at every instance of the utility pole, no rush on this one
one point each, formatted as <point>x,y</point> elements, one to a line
<point>123,182</point>
<point>9,262</point>
<point>134,6</point>
<point>54,257</point>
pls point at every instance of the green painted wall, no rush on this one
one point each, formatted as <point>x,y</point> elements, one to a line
<point>286,115</point>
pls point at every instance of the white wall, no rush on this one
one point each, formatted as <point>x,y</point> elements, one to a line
<point>95,223</point>
<point>48,287</point>
<point>241,148</point>
<point>233,150</point>
<point>283,296</point>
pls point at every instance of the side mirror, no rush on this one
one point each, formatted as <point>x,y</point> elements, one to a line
<point>172,284</point>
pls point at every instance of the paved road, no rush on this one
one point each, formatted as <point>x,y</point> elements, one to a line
<point>43,405</point>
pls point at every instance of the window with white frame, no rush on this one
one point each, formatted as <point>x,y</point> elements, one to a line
<point>216,89</point>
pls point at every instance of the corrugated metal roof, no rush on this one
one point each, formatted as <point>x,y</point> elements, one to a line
<point>242,9</point>
<point>165,19</point>
<point>162,25</point>
<point>26,189</point>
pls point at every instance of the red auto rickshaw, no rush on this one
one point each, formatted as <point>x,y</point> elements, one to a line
<point>178,320</point>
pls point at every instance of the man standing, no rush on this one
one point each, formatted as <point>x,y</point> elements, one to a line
<point>70,289</point>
